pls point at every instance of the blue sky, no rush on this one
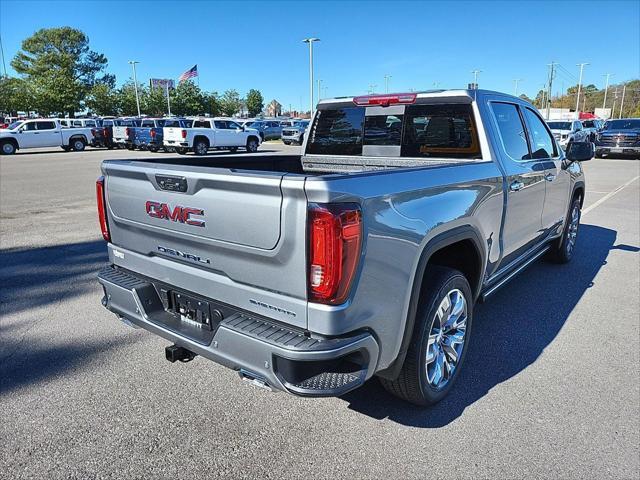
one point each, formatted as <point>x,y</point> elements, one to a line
<point>245,45</point>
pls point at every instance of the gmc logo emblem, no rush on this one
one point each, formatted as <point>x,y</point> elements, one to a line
<point>178,214</point>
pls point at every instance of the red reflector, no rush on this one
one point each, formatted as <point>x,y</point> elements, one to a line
<point>153,133</point>
<point>184,134</point>
<point>102,209</point>
<point>386,100</point>
<point>335,238</point>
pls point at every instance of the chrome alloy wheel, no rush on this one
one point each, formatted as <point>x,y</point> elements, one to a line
<point>572,231</point>
<point>446,339</point>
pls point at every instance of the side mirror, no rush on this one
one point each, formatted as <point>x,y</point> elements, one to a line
<point>580,151</point>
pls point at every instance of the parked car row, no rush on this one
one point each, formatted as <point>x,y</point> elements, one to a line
<point>614,136</point>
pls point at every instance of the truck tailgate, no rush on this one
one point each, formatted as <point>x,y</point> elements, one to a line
<point>246,226</point>
<point>172,134</point>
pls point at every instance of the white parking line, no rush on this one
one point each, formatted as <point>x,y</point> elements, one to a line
<point>608,196</point>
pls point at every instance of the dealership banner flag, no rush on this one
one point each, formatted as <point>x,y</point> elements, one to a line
<point>192,72</point>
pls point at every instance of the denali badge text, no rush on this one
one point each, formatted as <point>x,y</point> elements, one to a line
<point>271,307</point>
<point>188,256</point>
<point>177,214</point>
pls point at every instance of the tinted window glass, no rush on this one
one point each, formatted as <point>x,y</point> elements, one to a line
<point>559,125</point>
<point>108,123</point>
<point>46,125</point>
<point>512,130</point>
<point>337,132</point>
<point>589,124</point>
<point>622,124</point>
<point>220,124</point>
<point>147,123</point>
<point>30,126</point>
<point>233,125</point>
<point>542,145</point>
<point>202,124</point>
<point>382,129</point>
<point>440,131</point>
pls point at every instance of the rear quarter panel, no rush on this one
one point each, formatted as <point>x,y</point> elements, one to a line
<point>402,211</point>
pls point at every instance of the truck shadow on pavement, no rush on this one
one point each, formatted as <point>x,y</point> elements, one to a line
<point>510,332</point>
<point>35,277</point>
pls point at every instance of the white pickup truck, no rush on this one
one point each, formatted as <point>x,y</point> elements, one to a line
<point>42,132</point>
<point>208,133</point>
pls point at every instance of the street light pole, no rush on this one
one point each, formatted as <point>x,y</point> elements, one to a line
<point>386,83</point>
<point>310,42</point>
<point>319,88</point>
<point>624,89</point>
<point>581,65</point>
<point>135,84</point>
<point>516,81</point>
<point>606,87</point>
<point>475,77</point>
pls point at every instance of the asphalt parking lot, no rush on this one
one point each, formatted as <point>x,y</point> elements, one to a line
<point>551,387</point>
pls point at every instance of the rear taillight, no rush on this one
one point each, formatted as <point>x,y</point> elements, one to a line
<point>106,132</point>
<point>335,240</point>
<point>126,132</point>
<point>386,100</point>
<point>153,133</point>
<point>93,132</point>
<point>102,209</point>
<point>184,134</point>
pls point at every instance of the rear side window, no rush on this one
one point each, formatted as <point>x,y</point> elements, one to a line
<point>147,123</point>
<point>542,145</point>
<point>202,124</point>
<point>46,125</point>
<point>440,131</point>
<point>512,131</point>
<point>337,132</point>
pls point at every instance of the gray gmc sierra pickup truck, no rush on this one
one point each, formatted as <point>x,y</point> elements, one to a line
<point>364,256</point>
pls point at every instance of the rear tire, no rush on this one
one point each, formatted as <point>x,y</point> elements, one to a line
<point>66,148</point>
<point>562,249</point>
<point>440,339</point>
<point>77,145</point>
<point>200,147</point>
<point>233,149</point>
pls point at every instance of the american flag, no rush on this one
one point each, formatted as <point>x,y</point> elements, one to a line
<point>192,72</point>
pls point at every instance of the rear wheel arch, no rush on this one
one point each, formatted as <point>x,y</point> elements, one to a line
<point>439,252</point>
<point>202,138</point>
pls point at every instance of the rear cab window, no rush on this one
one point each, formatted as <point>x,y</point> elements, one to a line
<point>417,131</point>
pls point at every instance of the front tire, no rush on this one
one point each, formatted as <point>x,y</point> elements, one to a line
<point>562,249</point>
<point>439,342</point>
<point>8,148</point>
<point>252,145</point>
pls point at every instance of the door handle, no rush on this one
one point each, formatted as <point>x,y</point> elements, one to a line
<point>516,186</point>
<point>550,177</point>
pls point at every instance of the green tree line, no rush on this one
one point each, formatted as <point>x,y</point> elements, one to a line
<point>60,74</point>
<point>591,98</point>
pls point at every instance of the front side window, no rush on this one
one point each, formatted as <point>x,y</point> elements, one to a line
<point>202,124</point>
<point>30,126</point>
<point>542,144</point>
<point>383,129</point>
<point>444,131</point>
<point>220,124</point>
<point>512,131</point>
<point>337,132</point>
<point>233,125</point>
